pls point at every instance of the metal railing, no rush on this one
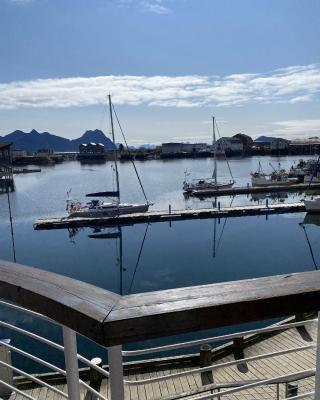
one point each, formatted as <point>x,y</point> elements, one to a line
<point>112,321</point>
<point>69,350</point>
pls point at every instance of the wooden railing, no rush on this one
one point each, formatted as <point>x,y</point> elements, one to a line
<point>112,320</point>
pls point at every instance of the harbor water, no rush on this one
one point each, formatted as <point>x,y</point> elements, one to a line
<point>154,257</point>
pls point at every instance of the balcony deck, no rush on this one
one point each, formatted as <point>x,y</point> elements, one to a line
<point>223,378</point>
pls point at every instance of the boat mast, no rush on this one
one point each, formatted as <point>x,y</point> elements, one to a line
<point>115,148</point>
<point>214,152</point>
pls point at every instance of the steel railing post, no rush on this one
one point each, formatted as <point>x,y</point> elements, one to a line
<point>71,361</point>
<point>116,372</point>
<point>317,382</point>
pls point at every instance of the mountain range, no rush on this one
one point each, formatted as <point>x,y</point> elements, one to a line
<point>34,141</point>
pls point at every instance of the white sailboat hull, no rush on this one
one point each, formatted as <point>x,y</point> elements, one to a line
<point>311,179</point>
<point>190,187</point>
<point>312,206</point>
<point>109,210</point>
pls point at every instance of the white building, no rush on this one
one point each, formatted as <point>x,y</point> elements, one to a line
<point>279,144</point>
<point>18,154</point>
<point>229,144</point>
<point>174,148</point>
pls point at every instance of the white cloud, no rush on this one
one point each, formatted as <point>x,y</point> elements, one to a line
<point>297,128</point>
<point>290,85</point>
<point>149,6</point>
<point>192,138</point>
<point>21,1</point>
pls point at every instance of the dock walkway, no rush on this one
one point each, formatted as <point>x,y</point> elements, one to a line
<point>299,187</point>
<point>174,215</point>
<point>221,378</point>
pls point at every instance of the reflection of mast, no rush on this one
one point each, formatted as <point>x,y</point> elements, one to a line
<point>309,244</point>
<point>120,261</point>
<point>97,234</point>
<point>214,237</point>
<point>216,247</point>
<point>214,205</point>
<point>138,259</point>
<point>11,226</point>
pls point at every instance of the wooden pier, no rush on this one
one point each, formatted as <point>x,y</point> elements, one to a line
<point>301,187</point>
<point>174,215</point>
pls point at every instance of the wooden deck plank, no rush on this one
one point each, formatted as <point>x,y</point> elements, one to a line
<point>266,368</point>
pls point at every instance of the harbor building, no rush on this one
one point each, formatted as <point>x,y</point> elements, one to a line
<point>246,141</point>
<point>229,145</point>
<point>305,146</point>
<point>179,149</point>
<point>92,151</point>
<point>6,178</point>
<point>267,144</point>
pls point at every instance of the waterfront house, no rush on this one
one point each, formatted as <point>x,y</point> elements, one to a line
<point>92,151</point>
<point>45,153</point>
<point>229,145</point>
<point>174,148</point>
<point>246,141</point>
<point>305,146</point>
<point>5,155</point>
<point>269,144</point>
<point>16,154</point>
<point>6,179</point>
<point>179,149</point>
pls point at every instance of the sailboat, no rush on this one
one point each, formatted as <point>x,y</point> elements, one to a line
<point>207,183</point>
<point>98,208</point>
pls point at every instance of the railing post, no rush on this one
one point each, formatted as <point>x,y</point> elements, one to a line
<point>116,372</point>
<point>71,361</point>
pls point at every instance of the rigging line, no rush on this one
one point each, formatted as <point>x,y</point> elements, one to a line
<point>138,259</point>
<point>129,152</point>
<point>225,153</point>
<point>314,170</point>
<point>11,226</point>
<point>310,247</point>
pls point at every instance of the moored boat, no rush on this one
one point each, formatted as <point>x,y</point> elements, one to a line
<point>312,206</point>
<point>277,178</point>
<point>98,208</point>
<point>208,183</point>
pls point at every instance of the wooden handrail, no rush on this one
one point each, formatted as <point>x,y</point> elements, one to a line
<point>110,319</point>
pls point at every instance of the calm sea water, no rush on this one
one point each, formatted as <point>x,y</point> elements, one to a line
<point>157,256</point>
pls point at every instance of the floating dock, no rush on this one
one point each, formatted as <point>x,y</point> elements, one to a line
<point>300,187</point>
<point>25,170</point>
<point>174,215</point>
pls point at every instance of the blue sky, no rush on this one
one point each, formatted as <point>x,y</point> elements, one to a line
<point>169,65</point>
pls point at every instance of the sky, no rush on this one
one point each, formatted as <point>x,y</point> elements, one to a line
<point>168,64</point>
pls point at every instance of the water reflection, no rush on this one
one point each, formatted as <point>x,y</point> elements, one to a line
<point>310,219</point>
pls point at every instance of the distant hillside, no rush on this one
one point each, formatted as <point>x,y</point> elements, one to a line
<point>33,141</point>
